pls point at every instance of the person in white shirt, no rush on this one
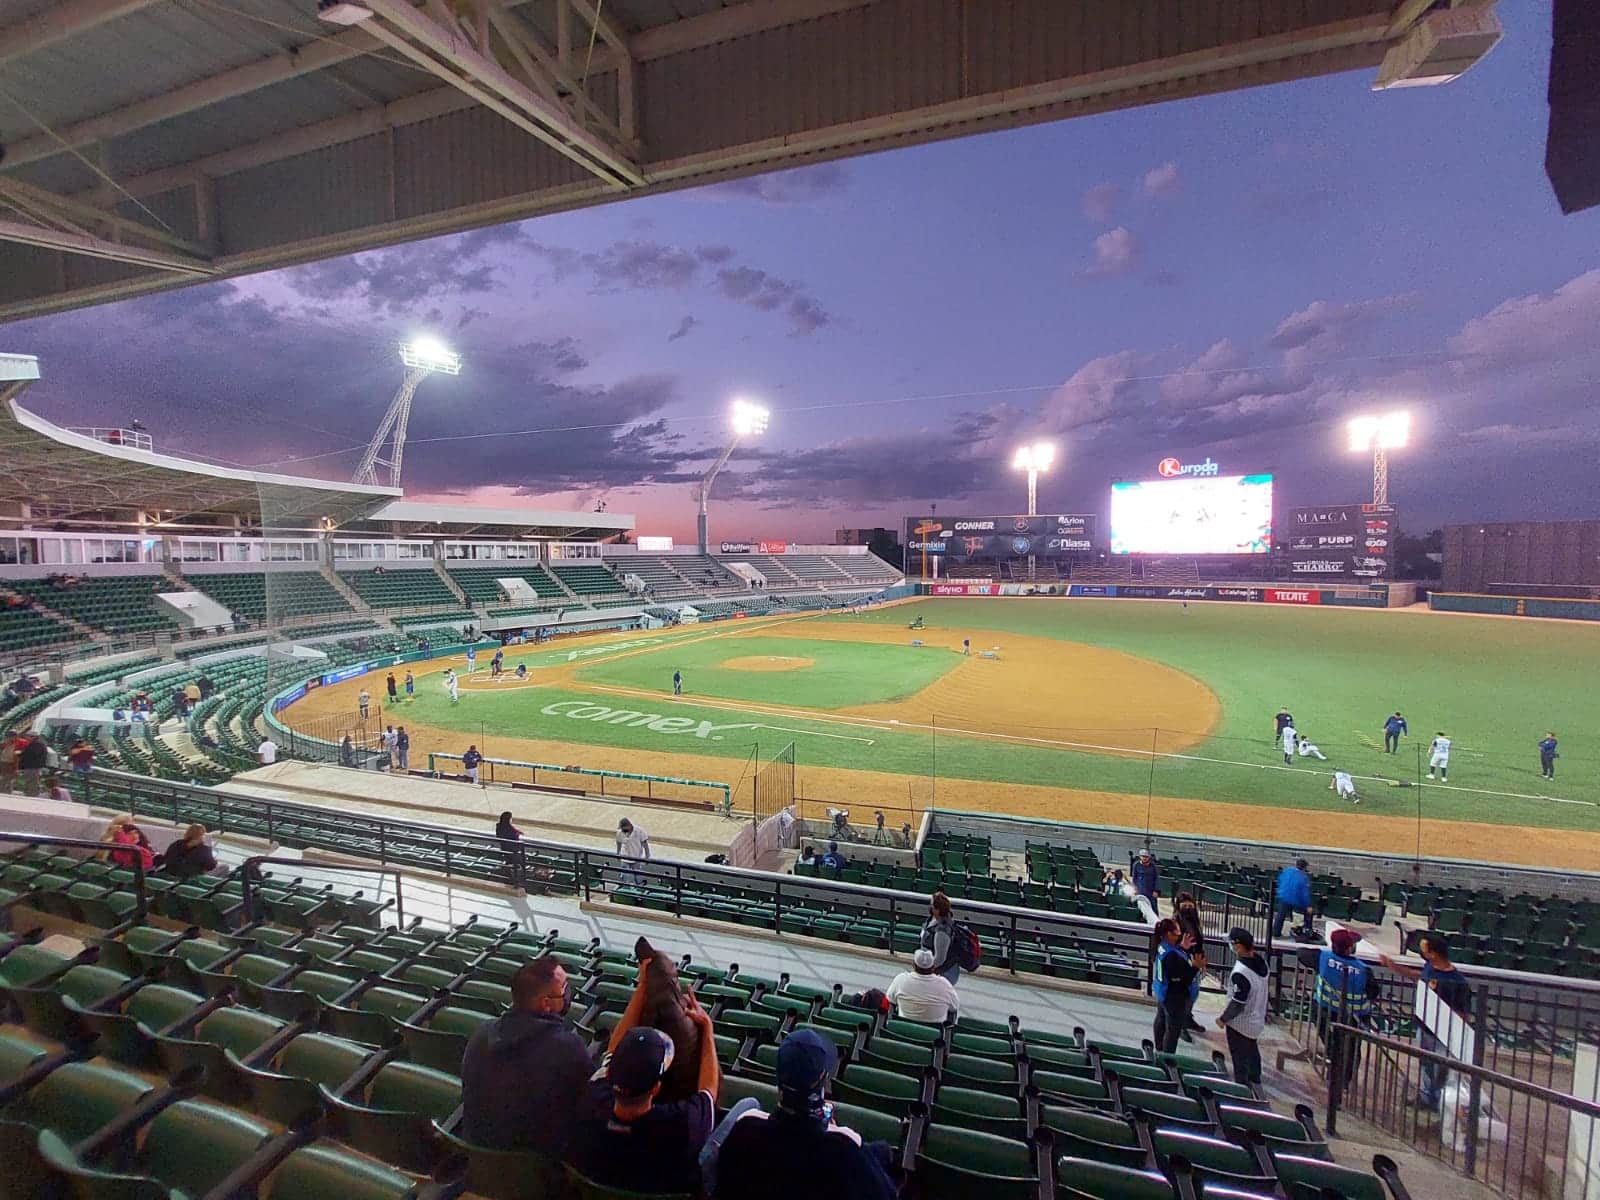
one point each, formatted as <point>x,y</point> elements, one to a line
<point>1439,757</point>
<point>453,686</point>
<point>633,843</point>
<point>1308,749</point>
<point>1345,786</point>
<point>1290,737</point>
<point>267,752</point>
<point>921,995</point>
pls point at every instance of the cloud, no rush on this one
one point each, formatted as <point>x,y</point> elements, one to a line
<point>1218,377</point>
<point>682,331</point>
<point>643,264</point>
<point>1162,181</point>
<point>1533,328</point>
<point>800,185</point>
<point>768,293</point>
<point>1323,329</point>
<point>391,281</point>
<point>1115,253</point>
<point>1095,392</point>
<point>1100,202</point>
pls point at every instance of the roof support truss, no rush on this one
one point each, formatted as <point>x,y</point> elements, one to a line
<point>461,53</point>
<point>57,223</point>
<point>58,22</point>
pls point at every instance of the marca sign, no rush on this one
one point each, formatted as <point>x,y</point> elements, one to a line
<point>628,718</point>
<point>1172,468</point>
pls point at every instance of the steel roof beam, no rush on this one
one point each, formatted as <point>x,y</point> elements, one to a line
<point>61,21</point>
<point>94,247</point>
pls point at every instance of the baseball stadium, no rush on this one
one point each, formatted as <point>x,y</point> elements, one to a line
<point>313,788</point>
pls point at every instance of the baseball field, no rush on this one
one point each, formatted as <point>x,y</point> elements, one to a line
<point>1142,714</point>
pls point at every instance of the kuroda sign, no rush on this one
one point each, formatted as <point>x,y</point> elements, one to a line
<point>1172,468</point>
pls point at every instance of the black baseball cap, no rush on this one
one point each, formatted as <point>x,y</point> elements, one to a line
<point>805,1059</point>
<point>639,1061</point>
<point>1243,936</point>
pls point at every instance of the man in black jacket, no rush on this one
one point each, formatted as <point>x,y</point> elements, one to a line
<point>524,1074</point>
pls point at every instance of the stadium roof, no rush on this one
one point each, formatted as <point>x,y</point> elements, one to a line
<point>412,518</point>
<point>152,143</point>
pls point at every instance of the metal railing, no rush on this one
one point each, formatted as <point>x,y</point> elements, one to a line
<point>685,888</point>
<point>8,841</point>
<point>250,880</point>
<point>1520,1138</point>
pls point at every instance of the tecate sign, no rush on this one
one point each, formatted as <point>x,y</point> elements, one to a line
<point>1285,596</point>
<point>1172,468</point>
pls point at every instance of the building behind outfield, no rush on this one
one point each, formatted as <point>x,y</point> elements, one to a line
<point>1528,558</point>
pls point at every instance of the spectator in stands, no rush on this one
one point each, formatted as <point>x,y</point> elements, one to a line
<point>206,686</point>
<point>797,1152</point>
<point>32,758</point>
<point>267,752</point>
<point>633,843</point>
<point>81,756</point>
<point>1344,991</point>
<point>1438,975</point>
<point>523,1075</point>
<point>58,789</point>
<point>191,693</point>
<point>1146,876</point>
<point>180,702</point>
<point>939,936</point>
<point>470,761</point>
<point>921,995</point>
<point>1114,883</point>
<point>402,748</point>
<point>131,845</point>
<point>190,856</point>
<point>9,748</point>
<point>1186,911</point>
<point>1293,895</point>
<point>510,837</point>
<point>1174,980</point>
<point>832,860</point>
<point>1245,1014</point>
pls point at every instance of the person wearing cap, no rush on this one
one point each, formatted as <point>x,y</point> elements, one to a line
<point>832,860</point>
<point>1438,975</point>
<point>797,1152</point>
<point>628,1141</point>
<point>1146,876</point>
<point>1293,895</point>
<point>1245,1014</point>
<point>922,995</point>
<point>1343,992</point>
<point>524,1073</point>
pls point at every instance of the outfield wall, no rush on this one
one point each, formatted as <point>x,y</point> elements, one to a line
<point>1376,596</point>
<point>1515,606</point>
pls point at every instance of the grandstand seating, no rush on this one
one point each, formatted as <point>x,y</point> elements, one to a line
<point>865,568</point>
<point>30,629</point>
<point>292,593</point>
<point>479,586</point>
<point>404,587</point>
<point>318,1011</point>
<point>115,604</point>
<point>681,576</point>
<point>586,581</point>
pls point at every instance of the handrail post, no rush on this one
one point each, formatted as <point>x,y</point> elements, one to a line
<point>143,905</point>
<point>447,865</point>
<point>1336,1047</point>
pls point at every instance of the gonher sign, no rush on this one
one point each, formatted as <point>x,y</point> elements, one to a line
<point>1341,541</point>
<point>966,539</point>
<point>1172,468</point>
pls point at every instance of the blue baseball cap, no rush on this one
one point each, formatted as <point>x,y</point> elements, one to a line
<point>805,1059</point>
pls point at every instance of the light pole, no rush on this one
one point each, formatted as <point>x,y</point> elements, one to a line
<point>1380,435</point>
<point>1033,459</point>
<point>746,420</point>
<point>421,358</point>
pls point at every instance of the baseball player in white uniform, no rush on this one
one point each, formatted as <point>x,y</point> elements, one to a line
<point>1290,737</point>
<point>1439,757</point>
<point>453,686</point>
<point>1309,749</point>
<point>1345,786</point>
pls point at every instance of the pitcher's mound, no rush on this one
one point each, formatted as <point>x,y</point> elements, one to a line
<point>764,662</point>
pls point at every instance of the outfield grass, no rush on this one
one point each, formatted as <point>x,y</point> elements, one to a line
<point>1494,685</point>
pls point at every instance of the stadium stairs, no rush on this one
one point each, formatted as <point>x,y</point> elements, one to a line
<point>455,588</point>
<point>299,1045</point>
<point>351,596</point>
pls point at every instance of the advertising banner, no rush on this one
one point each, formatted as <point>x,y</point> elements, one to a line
<point>963,589</point>
<point>288,698</point>
<point>1291,596</point>
<point>1354,542</point>
<point>332,677</point>
<point>1092,589</point>
<point>1154,591</point>
<point>960,539</point>
<point>755,547</point>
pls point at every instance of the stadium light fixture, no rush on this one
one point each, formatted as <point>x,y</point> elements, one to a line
<point>746,419</point>
<point>1034,458</point>
<point>421,357</point>
<point>1378,435</point>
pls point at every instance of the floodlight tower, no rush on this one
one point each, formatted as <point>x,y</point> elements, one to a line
<point>421,358</point>
<point>1034,459</point>
<point>1380,435</point>
<point>746,420</point>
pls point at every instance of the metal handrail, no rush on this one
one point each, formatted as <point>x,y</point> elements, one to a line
<point>250,871</point>
<point>141,909</point>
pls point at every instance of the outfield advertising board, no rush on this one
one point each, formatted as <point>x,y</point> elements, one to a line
<point>960,539</point>
<point>963,589</point>
<point>1342,541</point>
<point>1292,596</point>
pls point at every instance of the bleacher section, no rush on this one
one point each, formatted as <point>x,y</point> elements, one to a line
<point>588,582</point>
<point>865,568</point>
<point>478,583</point>
<point>405,587</point>
<point>115,604</point>
<point>330,1051</point>
<point>293,594</point>
<point>29,629</point>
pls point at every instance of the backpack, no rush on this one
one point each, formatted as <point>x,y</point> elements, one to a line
<point>965,947</point>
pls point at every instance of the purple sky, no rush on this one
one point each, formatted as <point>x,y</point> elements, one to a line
<point>1231,276</point>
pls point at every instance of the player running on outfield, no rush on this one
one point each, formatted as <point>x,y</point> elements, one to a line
<point>1439,757</point>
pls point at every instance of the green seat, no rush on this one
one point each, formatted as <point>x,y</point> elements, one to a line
<point>893,1055</point>
<point>885,1091</point>
<point>1086,1179</point>
<point>1222,1089</point>
<point>1100,1136</point>
<point>955,1164</point>
<point>913,1031</point>
<point>241,1030</point>
<point>1213,1160</point>
<point>1282,1134</point>
<point>193,1146</point>
<point>157,1006</point>
<point>1138,1073</point>
<point>16,1056</point>
<point>506,1174</point>
<point>1305,1178</point>
<point>26,964</point>
<point>968,1108</point>
<point>1166,1105</point>
<point>76,1099</point>
<point>982,1046</point>
<point>845,1018</point>
<point>323,1171</point>
<point>55,1161</point>
<point>322,1059</point>
<point>966,1070</point>
<point>580,1187</point>
<point>738,1087</point>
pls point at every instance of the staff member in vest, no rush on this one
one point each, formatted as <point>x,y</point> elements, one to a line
<point>1245,1015</point>
<point>1344,989</point>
